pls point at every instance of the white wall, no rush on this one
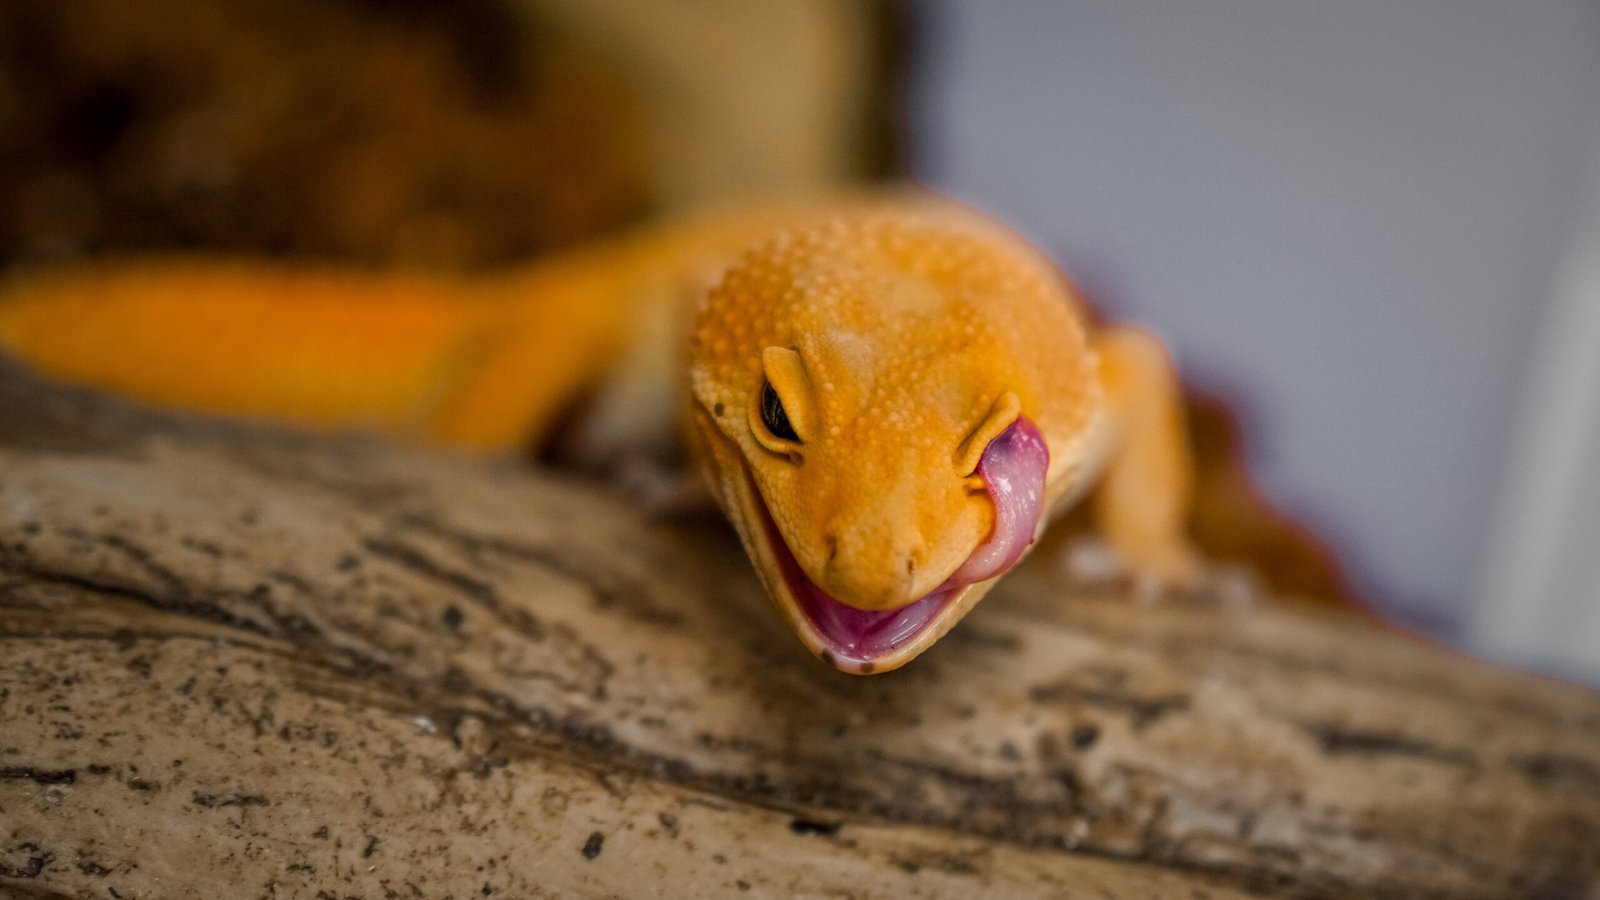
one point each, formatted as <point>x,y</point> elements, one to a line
<point>1349,216</point>
<point>1539,602</point>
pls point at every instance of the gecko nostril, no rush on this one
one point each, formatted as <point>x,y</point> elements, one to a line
<point>916,555</point>
<point>831,541</point>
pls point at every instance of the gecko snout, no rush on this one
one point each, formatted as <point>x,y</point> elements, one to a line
<point>873,568</point>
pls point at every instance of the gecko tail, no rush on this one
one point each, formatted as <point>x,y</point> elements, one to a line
<point>312,347</point>
<point>485,362</point>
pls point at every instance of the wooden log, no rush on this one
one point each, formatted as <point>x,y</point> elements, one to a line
<point>243,662</point>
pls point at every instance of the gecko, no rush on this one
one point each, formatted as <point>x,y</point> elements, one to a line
<point>889,397</point>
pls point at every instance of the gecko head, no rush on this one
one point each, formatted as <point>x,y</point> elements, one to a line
<point>886,405</point>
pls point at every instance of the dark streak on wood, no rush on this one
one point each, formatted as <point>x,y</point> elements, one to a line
<point>809,826</point>
<point>39,776</point>
<point>1336,740</point>
<point>1143,711</point>
<point>215,801</point>
<point>1554,769</point>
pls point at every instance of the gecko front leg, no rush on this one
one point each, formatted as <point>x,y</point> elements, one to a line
<point>1146,491</point>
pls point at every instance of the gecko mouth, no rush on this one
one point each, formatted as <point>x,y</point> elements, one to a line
<point>864,641</point>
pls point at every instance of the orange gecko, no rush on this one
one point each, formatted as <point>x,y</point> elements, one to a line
<point>889,398</point>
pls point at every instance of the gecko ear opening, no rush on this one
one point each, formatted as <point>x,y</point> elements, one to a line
<point>1005,410</point>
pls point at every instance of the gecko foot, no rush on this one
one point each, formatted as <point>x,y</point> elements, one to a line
<point>1092,564</point>
<point>661,489</point>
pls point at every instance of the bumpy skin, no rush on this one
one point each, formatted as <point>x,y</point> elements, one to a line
<point>902,336</point>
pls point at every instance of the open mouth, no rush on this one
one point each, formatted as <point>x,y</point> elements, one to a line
<point>853,638</point>
<point>1013,470</point>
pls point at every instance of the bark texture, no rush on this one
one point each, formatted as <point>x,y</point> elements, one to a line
<point>243,662</point>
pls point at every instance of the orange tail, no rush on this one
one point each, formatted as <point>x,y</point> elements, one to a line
<point>455,360</point>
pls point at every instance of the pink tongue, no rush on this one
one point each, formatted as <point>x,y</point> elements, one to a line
<point>1013,468</point>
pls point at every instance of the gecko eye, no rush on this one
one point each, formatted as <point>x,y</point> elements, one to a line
<point>773,415</point>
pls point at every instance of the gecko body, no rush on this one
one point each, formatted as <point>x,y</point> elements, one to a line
<point>889,398</point>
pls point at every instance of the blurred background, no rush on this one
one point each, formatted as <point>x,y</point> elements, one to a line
<point>1370,231</point>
